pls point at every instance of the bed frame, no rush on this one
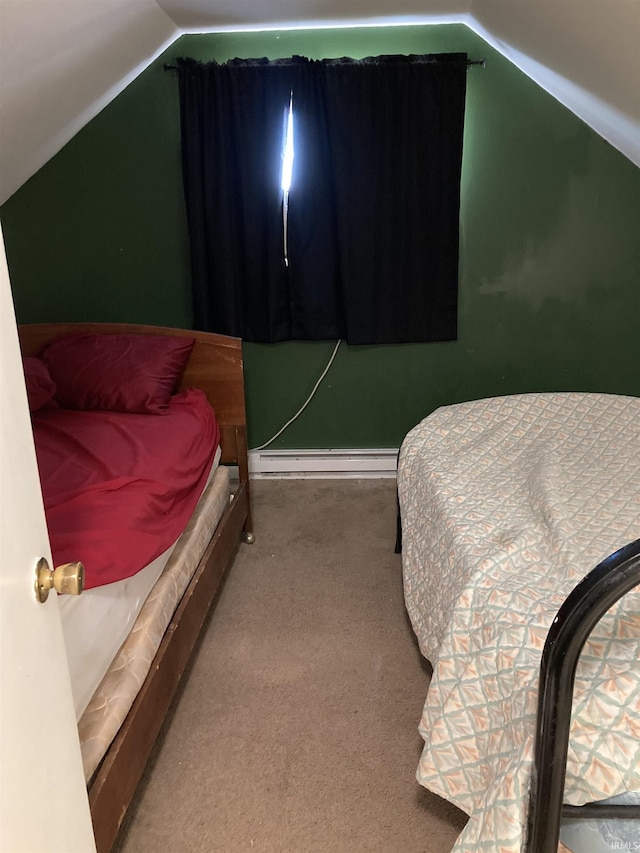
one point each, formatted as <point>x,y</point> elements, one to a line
<point>215,366</point>
<point>583,608</point>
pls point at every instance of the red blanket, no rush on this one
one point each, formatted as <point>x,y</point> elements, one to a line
<point>119,488</point>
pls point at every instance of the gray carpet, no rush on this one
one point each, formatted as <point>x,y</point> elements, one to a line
<point>296,725</point>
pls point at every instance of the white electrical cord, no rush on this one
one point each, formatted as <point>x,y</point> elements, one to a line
<point>305,404</point>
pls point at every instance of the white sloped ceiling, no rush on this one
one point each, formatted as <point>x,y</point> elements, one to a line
<point>199,15</point>
<point>584,52</point>
<point>61,61</point>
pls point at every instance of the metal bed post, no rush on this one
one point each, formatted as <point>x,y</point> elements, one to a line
<point>584,607</point>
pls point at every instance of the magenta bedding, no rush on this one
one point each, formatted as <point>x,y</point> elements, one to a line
<point>119,487</point>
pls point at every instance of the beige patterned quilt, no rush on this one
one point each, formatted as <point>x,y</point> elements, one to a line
<point>506,504</point>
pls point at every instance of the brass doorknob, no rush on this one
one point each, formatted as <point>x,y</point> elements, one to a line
<point>67,579</point>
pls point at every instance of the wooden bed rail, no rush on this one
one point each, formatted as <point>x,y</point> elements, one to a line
<point>115,781</point>
<point>611,579</point>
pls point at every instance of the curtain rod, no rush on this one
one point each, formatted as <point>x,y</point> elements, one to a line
<point>482,62</point>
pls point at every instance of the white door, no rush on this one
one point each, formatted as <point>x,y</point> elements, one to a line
<point>43,798</point>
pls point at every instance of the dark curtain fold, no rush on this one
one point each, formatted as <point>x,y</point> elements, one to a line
<point>373,206</point>
<point>395,130</point>
<point>232,132</point>
<point>315,286</point>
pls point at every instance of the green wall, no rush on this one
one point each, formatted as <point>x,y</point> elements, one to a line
<point>549,256</point>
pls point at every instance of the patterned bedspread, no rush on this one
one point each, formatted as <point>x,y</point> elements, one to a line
<point>506,504</point>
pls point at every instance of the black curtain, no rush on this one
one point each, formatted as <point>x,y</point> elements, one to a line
<point>232,124</point>
<point>373,206</point>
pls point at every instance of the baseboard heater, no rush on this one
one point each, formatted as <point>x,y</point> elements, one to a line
<point>320,464</point>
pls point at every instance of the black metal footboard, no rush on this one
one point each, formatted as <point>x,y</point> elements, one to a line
<point>582,610</point>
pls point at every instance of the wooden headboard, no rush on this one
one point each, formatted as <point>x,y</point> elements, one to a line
<point>215,366</point>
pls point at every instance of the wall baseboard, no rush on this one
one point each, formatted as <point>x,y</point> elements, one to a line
<point>323,464</point>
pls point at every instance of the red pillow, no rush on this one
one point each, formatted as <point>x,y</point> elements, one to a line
<point>41,389</point>
<point>118,373</point>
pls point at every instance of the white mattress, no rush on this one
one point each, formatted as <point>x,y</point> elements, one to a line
<point>96,623</point>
